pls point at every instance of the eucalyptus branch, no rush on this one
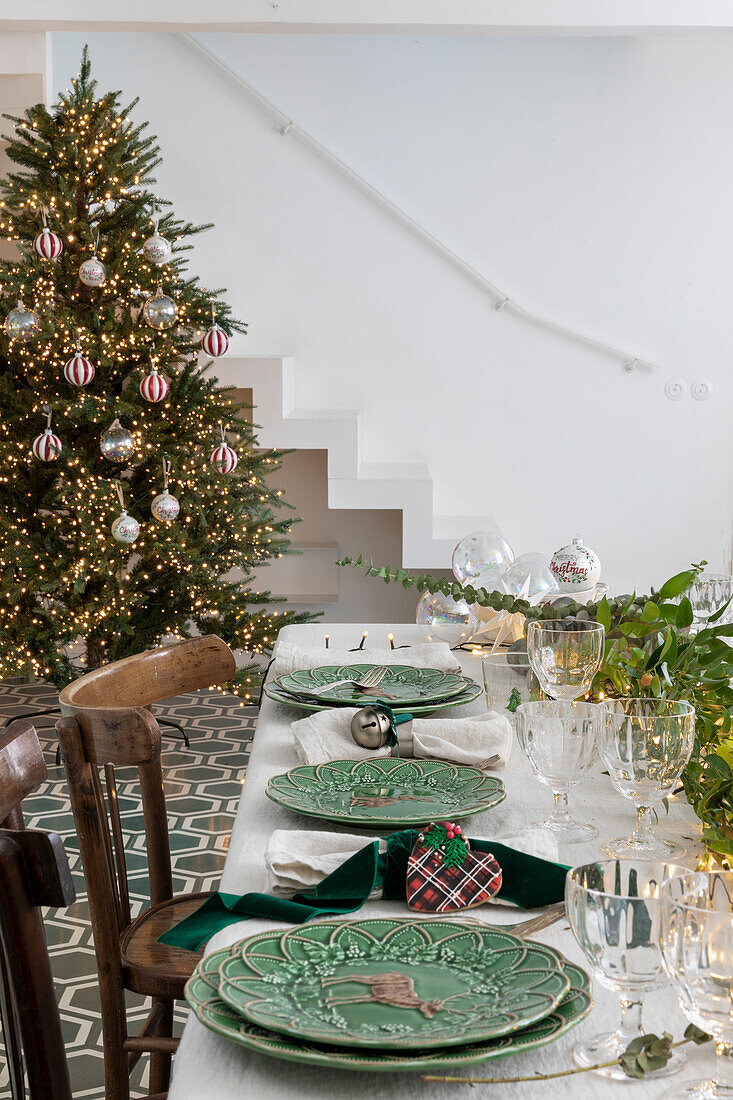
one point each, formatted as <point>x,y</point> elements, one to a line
<point>642,1055</point>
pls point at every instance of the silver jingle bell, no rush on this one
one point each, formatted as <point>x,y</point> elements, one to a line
<point>370,728</point>
<point>160,311</point>
<point>116,443</point>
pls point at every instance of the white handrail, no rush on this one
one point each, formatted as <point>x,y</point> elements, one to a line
<point>288,127</point>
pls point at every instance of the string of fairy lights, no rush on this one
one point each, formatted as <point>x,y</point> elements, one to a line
<point>107,402</point>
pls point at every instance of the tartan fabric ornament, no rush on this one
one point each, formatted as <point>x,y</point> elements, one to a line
<point>444,875</point>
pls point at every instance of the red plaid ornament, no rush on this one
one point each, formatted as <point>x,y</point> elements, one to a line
<point>443,874</point>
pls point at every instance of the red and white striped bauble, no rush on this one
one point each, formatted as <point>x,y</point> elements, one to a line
<point>215,342</point>
<point>48,245</point>
<point>47,447</point>
<point>78,370</point>
<point>154,387</point>
<point>224,458</point>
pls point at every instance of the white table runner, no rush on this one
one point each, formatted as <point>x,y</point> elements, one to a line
<point>208,1067</point>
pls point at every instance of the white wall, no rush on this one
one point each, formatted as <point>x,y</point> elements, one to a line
<point>590,177</point>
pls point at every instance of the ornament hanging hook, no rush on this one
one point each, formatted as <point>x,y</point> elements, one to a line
<point>166,471</point>
<point>221,429</point>
<point>120,494</point>
<point>48,413</point>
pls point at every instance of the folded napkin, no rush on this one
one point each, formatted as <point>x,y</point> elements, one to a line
<point>298,859</point>
<point>482,741</point>
<point>378,866</point>
<point>289,657</point>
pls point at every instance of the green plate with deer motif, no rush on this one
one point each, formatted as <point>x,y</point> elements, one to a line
<point>470,691</point>
<point>392,982</point>
<point>403,685</point>
<point>203,997</point>
<point>386,792</point>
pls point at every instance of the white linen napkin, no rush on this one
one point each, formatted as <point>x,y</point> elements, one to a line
<point>482,741</point>
<point>288,657</point>
<point>298,859</point>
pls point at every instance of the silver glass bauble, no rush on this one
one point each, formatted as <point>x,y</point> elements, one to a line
<point>165,507</point>
<point>480,559</point>
<point>530,578</point>
<point>125,528</point>
<point>117,443</point>
<point>444,619</point>
<point>160,311</point>
<point>157,249</point>
<point>93,272</point>
<point>22,323</point>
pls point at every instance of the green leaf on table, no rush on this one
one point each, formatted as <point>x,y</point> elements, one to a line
<point>677,584</point>
<point>721,611</point>
<point>645,1053</point>
<point>650,614</point>
<point>684,613</point>
<point>697,1035</point>
<point>603,614</point>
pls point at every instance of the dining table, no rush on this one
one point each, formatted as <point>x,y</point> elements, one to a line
<point>210,1067</point>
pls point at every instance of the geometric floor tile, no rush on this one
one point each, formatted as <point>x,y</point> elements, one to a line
<point>203,785</point>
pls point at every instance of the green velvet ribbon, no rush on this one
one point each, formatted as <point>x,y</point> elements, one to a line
<point>527,881</point>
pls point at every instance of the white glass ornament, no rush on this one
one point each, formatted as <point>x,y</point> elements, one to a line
<point>575,568</point>
<point>154,386</point>
<point>78,370</point>
<point>22,323</point>
<point>47,447</point>
<point>93,272</point>
<point>165,507</point>
<point>125,528</point>
<point>157,249</point>
<point>160,310</point>
<point>444,619</point>
<point>117,443</point>
<point>48,245</point>
<point>530,578</point>
<point>480,559</point>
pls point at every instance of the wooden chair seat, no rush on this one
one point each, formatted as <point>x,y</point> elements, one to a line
<point>155,969</point>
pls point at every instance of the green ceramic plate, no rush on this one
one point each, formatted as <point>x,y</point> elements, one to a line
<point>213,1013</point>
<point>386,791</point>
<point>471,691</point>
<point>392,983</point>
<point>406,684</point>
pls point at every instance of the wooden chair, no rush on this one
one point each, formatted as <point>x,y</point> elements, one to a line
<point>107,723</point>
<point>34,871</point>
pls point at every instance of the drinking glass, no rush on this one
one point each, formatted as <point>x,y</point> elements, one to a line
<point>565,655</point>
<point>560,741</point>
<point>645,744</point>
<point>696,939</point>
<point>614,912</point>
<point>508,681</point>
<point>707,595</point>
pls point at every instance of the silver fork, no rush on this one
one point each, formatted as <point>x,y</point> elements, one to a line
<point>371,680</point>
<point>550,915</point>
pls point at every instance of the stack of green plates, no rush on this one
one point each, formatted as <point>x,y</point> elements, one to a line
<point>403,687</point>
<point>388,995</point>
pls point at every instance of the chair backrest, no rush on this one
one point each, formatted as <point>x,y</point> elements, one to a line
<point>22,769</point>
<point>107,723</point>
<point>34,871</point>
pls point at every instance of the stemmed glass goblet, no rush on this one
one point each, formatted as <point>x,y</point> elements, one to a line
<point>696,937</point>
<point>614,913</point>
<point>560,741</point>
<point>565,655</point>
<point>645,744</point>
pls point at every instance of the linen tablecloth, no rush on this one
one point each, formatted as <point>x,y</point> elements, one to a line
<point>208,1067</point>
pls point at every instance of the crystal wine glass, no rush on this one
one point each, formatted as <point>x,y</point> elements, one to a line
<point>645,744</point>
<point>696,917</point>
<point>614,912</point>
<point>707,594</point>
<point>565,655</point>
<point>560,741</point>
<point>508,681</point>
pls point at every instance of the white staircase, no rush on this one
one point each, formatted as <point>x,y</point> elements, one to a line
<point>427,541</point>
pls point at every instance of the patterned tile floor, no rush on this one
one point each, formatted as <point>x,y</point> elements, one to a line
<point>203,785</point>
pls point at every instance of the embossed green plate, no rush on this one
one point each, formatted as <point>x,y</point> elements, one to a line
<point>392,982</point>
<point>470,691</point>
<point>386,791</point>
<point>406,684</point>
<point>202,995</point>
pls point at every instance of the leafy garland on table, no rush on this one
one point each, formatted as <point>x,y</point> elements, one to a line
<point>651,653</point>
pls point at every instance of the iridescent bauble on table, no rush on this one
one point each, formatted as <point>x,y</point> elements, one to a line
<point>530,578</point>
<point>22,323</point>
<point>125,528</point>
<point>157,249</point>
<point>160,311</point>
<point>444,619</point>
<point>575,568</point>
<point>117,443</point>
<point>93,272</point>
<point>480,559</point>
<point>165,507</point>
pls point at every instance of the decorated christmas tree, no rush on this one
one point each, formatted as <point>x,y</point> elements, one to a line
<point>105,398</point>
